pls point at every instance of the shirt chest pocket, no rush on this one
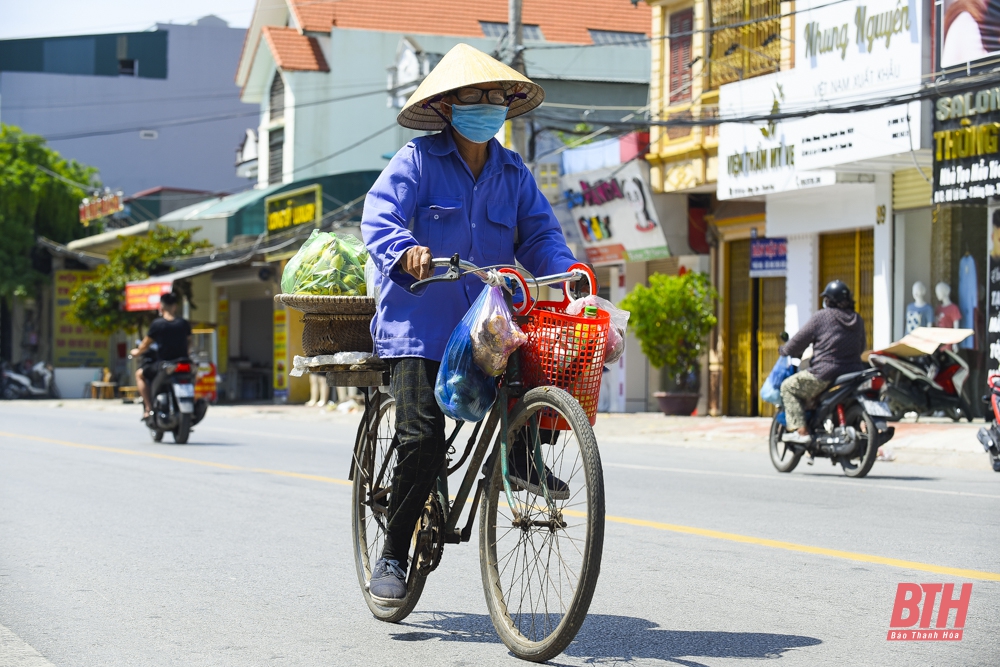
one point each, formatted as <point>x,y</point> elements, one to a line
<point>441,224</point>
<point>501,230</point>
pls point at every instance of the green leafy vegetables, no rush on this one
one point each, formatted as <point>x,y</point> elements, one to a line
<point>327,265</point>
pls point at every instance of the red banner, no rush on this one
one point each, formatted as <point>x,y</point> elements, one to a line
<point>145,296</point>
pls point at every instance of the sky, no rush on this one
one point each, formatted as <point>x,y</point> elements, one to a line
<point>41,18</point>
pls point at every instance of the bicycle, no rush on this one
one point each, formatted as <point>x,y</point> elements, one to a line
<point>540,556</point>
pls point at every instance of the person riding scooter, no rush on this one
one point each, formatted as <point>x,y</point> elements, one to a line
<point>171,335</point>
<point>837,334</point>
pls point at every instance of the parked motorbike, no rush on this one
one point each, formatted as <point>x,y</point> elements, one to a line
<point>174,406</point>
<point>924,375</point>
<point>847,425</point>
<point>35,381</point>
<point>989,436</point>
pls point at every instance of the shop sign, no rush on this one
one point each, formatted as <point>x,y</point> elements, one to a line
<point>73,345</point>
<point>294,208</point>
<point>206,381</point>
<point>993,289</point>
<point>970,35</point>
<point>280,379</point>
<point>768,258</point>
<point>100,206</point>
<point>613,211</point>
<point>967,146</point>
<point>845,53</point>
<point>145,296</point>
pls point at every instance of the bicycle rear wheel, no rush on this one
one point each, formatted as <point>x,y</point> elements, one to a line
<point>540,570</point>
<point>375,460</point>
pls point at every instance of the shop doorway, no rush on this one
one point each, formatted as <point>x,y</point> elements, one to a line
<point>850,258</point>
<point>755,317</point>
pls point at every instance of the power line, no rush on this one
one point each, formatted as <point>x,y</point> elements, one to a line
<point>156,125</point>
<point>347,148</point>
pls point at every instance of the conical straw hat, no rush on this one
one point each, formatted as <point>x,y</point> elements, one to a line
<point>467,66</point>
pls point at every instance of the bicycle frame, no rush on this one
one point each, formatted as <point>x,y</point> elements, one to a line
<point>511,387</point>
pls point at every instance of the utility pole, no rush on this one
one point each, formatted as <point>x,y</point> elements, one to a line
<point>515,39</point>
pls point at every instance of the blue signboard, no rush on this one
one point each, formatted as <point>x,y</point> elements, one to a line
<point>768,258</point>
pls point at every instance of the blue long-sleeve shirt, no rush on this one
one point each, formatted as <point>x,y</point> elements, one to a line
<point>427,196</point>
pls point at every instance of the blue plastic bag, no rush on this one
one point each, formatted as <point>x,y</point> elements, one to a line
<point>462,390</point>
<point>770,391</point>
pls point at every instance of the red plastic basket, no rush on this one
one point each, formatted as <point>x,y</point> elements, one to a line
<point>565,351</point>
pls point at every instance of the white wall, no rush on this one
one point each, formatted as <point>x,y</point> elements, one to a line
<point>829,209</point>
<point>804,214</point>
<point>882,292</point>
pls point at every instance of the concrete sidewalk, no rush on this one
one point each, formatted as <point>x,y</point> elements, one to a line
<point>937,442</point>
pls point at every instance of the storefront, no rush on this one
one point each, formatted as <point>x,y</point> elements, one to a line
<point>962,254</point>
<point>827,182</point>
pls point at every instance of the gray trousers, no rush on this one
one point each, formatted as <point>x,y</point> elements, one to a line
<point>796,392</point>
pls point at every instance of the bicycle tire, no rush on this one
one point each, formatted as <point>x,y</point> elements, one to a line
<point>366,531</point>
<point>857,417</point>
<point>517,631</point>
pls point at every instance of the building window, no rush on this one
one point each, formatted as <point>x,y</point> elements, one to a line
<point>618,37</point>
<point>530,33</point>
<point>275,155</point>
<point>751,47</point>
<point>277,97</point>
<point>680,55</point>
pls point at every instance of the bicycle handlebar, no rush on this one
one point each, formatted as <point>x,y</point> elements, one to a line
<point>456,266</point>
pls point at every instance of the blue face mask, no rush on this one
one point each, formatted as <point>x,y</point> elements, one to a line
<point>478,122</point>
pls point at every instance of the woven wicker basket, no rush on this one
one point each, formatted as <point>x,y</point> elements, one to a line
<point>333,323</point>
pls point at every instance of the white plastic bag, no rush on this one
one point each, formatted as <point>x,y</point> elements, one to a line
<point>616,332</point>
<point>371,278</point>
<point>494,334</point>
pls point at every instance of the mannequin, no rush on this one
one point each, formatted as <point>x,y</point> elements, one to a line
<point>919,313</point>
<point>948,315</point>
<point>319,391</point>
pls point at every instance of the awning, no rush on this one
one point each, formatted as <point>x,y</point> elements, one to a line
<point>145,294</point>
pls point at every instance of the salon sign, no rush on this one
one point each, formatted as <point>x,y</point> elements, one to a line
<point>614,214</point>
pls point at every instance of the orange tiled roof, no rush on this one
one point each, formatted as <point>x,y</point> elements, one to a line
<point>313,15</point>
<point>560,20</point>
<point>294,51</point>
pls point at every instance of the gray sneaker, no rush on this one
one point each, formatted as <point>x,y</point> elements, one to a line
<point>387,586</point>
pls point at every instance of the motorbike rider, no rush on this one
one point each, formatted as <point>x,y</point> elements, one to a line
<point>172,337</point>
<point>456,191</point>
<point>837,334</point>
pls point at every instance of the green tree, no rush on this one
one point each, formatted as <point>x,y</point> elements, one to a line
<point>672,318</point>
<point>35,203</point>
<point>99,304</point>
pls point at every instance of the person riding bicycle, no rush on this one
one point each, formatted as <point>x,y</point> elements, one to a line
<point>456,191</point>
<point>837,334</point>
<point>171,336</point>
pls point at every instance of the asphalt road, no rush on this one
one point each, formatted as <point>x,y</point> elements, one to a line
<point>235,550</point>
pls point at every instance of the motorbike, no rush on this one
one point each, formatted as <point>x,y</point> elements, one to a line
<point>33,381</point>
<point>174,406</point>
<point>989,436</point>
<point>924,375</point>
<point>847,423</point>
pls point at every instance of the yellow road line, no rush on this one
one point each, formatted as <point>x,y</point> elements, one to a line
<point>179,459</point>
<point>804,548</point>
<point>656,525</point>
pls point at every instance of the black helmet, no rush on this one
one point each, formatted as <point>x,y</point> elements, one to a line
<point>838,295</point>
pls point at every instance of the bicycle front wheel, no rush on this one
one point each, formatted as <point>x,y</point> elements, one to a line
<point>540,564</point>
<point>375,460</point>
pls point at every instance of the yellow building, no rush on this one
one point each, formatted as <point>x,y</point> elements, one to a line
<point>696,48</point>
